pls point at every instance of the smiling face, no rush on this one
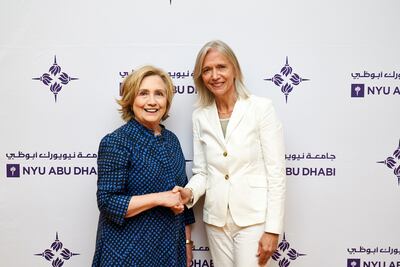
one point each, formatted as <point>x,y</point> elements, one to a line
<point>218,74</point>
<point>150,102</point>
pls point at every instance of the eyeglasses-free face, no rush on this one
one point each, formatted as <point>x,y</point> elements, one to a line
<point>218,74</point>
<point>150,103</point>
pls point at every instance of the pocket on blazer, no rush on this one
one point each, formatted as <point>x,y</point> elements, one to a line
<point>258,181</point>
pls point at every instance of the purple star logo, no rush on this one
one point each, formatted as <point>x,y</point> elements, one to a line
<point>286,79</point>
<point>55,79</point>
<point>284,255</point>
<point>393,162</point>
<point>56,254</point>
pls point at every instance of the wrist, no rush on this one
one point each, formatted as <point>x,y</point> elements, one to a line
<point>191,195</point>
<point>159,198</point>
<point>273,234</point>
<point>189,242</point>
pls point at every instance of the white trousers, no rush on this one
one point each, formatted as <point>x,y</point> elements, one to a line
<point>232,245</point>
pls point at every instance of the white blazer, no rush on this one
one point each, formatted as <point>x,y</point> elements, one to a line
<point>244,170</point>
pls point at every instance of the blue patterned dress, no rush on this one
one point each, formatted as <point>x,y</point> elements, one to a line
<point>132,161</point>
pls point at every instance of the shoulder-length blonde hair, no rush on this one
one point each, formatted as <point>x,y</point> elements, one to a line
<point>206,98</point>
<point>131,85</point>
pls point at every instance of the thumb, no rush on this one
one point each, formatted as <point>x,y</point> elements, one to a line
<point>176,189</point>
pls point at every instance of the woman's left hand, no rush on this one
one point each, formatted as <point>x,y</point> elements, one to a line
<point>266,247</point>
<point>178,209</point>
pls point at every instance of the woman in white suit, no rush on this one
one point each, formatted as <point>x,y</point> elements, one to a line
<point>238,163</point>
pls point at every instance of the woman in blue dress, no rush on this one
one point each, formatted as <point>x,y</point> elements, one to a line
<point>142,221</point>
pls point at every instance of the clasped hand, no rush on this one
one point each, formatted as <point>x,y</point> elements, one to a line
<point>172,199</point>
<point>175,199</point>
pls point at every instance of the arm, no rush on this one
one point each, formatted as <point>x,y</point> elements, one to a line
<point>112,163</point>
<point>182,181</point>
<point>271,137</point>
<point>138,204</point>
<point>189,245</point>
<point>272,144</point>
<point>188,215</point>
<point>197,183</point>
<point>113,202</point>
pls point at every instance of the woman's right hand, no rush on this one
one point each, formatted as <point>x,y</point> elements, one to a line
<point>170,199</point>
<point>185,193</point>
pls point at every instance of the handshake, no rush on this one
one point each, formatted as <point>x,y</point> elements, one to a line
<point>175,199</point>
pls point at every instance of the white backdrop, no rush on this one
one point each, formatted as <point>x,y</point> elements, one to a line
<point>342,204</point>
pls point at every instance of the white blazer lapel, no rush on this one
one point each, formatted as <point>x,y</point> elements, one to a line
<point>237,115</point>
<point>213,119</point>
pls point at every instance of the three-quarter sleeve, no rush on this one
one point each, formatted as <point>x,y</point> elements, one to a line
<point>188,216</point>
<point>112,163</point>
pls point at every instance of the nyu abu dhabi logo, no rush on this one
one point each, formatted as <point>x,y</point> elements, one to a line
<point>375,84</point>
<point>12,171</point>
<point>284,255</point>
<point>353,263</point>
<point>393,162</point>
<point>57,254</point>
<point>357,90</point>
<point>55,79</point>
<point>286,79</point>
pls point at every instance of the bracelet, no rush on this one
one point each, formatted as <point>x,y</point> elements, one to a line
<point>189,242</point>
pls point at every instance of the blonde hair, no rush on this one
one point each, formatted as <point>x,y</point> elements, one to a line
<point>206,98</point>
<point>131,85</point>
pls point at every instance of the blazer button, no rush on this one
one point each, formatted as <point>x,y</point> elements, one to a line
<point>226,177</point>
<point>225,154</point>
